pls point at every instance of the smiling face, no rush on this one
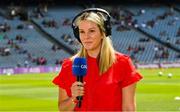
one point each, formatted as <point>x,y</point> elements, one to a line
<point>90,36</point>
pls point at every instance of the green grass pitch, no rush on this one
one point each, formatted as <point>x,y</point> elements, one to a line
<point>35,92</point>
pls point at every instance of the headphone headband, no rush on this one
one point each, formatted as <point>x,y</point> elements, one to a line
<point>91,10</point>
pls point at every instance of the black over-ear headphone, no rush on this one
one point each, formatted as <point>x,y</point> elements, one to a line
<point>107,23</point>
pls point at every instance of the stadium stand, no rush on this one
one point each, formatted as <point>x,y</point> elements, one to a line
<point>30,47</point>
<point>161,22</point>
<point>58,24</point>
<point>47,35</point>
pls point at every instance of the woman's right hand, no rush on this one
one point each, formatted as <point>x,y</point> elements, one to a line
<point>77,89</point>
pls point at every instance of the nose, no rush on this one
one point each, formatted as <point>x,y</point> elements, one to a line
<point>86,35</point>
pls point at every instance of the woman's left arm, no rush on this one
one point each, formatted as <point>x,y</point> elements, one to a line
<point>128,98</point>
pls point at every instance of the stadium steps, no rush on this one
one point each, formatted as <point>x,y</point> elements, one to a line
<point>159,41</point>
<point>164,43</point>
<point>51,38</point>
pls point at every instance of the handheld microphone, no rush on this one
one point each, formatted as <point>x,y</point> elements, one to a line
<point>79,69</point>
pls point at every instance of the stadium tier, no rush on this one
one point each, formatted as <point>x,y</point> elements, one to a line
<point>46,38</point>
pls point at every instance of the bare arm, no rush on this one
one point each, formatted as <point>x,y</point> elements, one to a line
<point>128,98</point>
<point>65,103</point>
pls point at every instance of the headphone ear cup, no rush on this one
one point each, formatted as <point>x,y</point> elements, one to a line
<point>107,26</point>
<point>76,33</point>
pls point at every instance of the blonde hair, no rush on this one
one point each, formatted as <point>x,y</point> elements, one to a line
<point>107,53</point>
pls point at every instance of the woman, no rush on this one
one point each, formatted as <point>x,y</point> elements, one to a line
<point>111,78</point>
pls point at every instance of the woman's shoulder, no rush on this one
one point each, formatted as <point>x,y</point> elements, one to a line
<point>121,56</point>
<point>67,62</point>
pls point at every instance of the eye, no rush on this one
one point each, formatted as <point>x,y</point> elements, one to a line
<point>92,31</point>
<point>81,31</point>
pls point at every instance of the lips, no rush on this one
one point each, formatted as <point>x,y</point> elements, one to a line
<point>87,42</point>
